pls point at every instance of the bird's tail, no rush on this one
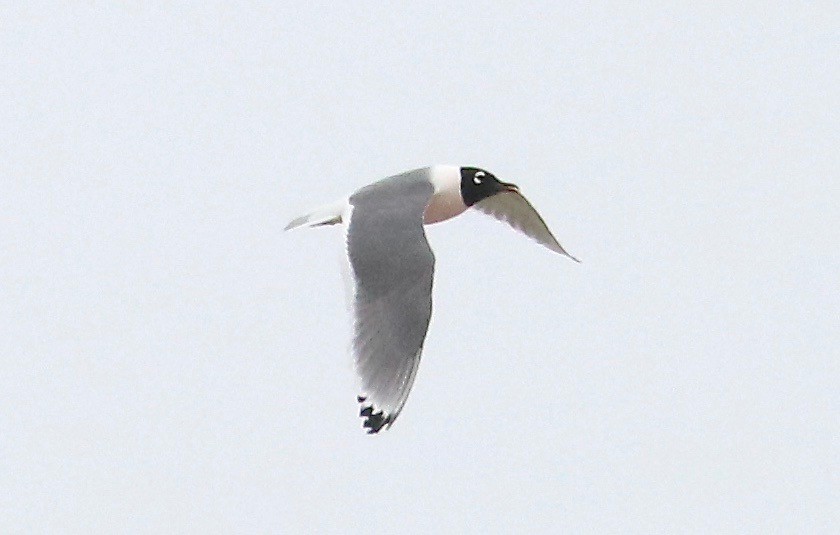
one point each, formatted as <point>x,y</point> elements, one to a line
<point>326,215</point>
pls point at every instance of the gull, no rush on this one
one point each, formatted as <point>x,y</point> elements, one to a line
<point>392,267</point>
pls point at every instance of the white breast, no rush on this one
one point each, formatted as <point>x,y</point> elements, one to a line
<point>446,202</point>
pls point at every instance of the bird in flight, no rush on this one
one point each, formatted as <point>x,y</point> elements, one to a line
<point>392,266</point>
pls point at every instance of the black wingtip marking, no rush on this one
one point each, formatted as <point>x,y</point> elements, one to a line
<point>374,421</point>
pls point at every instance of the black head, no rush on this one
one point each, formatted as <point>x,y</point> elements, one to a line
<point>478,184</point>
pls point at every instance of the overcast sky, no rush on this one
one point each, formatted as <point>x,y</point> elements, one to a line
<point>171,361</point>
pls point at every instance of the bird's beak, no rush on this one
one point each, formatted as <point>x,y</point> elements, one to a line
<point>513,188</point>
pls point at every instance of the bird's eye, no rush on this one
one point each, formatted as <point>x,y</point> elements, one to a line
<point>477,178</point>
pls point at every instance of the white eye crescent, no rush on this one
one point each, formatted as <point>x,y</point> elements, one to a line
<point>477,178</point>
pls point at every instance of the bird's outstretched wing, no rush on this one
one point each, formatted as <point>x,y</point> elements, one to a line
<point>392,267</point>
<point>515,210</point>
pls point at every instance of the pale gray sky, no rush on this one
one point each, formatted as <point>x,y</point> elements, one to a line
<point>173,362</point>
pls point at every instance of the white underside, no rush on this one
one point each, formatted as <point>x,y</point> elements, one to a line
<point>446,202</point>
<point>347,274</point>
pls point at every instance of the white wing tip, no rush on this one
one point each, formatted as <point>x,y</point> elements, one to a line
<point>572,257</point>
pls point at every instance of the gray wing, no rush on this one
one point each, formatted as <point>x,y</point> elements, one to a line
<point>391,267</point>
<point>515,210</point>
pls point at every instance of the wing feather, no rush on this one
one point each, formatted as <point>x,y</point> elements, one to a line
<point>392,268</point>
<point>515,210</point>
